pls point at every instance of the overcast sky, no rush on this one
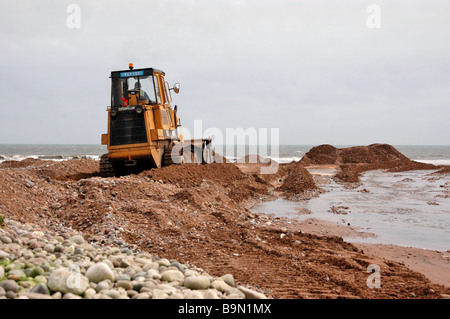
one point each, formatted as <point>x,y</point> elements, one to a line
<point>317,70</point>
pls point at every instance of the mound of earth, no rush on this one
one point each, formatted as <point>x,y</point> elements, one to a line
<point>355,160</point>
<point>295,177</point>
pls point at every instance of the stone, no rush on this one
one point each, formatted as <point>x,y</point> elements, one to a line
<point>229,280</point>
<point>151,265</point>
<point>67,282</point>
<point>114,294</point>
<point>49,248</point>
<point>36,244</point>
<point>57,295</point>
<point>127,285</point>
<point>154,274</point>
<point>210,294</point>
<point>109,263</point>
<point>103,285</point>
<point>3,254</point>
<point>127,262</point>
<point>172,275</point>
<point>40,279</point>
<point>138,285</point>
<point>125,277</point>
<point>77,239</point>
<point>251,294</point>
<point>2,272</point>
<point>235,293</point>
<point>190,272</point>
<point>139,274</point>
<point>11,295</point>
<point>9,285</point>
<point>90,292</point>
<point>6,239</point>
<point>221,286</point>
<point>2,291</point>
<point>40,289</point>
<point>99,272</point>
<point>33,295</point>
<point>16,274</point>
<point>159,294</point>
<point>143,295</point>
<point>70,295</point>
<point>197,282</point>
<point>36,271</point>
<point>163,262</point>
<point>166,288</point>
<point>26,284</point>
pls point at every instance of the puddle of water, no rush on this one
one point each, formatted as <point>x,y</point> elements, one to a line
<point>407,208</point>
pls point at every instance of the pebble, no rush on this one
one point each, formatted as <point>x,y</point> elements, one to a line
<point>99,272</point>
<point>6,240</point>
<point>103,285</point>
<point>127,285</point>
<point>172,275</point>
<point>77,240</point>
<point>197,282</point>
<point>16,274</point>
<point>67,282</point>
<point>40,289</point>
<point>251,294</point>
<point>9,285</point>
<point>228,279</point>
<point>33,295</point>
<point>57,265</point>
<point>3,254</point>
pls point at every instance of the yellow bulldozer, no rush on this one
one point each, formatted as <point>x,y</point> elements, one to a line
<point>144,131</point>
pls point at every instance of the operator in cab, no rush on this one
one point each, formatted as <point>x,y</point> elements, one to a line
<point>142,94</point>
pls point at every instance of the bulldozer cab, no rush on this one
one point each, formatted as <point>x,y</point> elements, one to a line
<point>139,87</point>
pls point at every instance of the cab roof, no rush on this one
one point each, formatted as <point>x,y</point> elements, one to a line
<point>135,72</point>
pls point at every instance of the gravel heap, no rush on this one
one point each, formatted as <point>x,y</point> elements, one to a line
<point>42,264</point>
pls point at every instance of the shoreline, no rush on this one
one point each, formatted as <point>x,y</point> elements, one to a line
<point>434,264</point>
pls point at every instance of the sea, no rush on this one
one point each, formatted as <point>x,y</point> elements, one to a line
<point>407,208</point>
<point>433,154</point>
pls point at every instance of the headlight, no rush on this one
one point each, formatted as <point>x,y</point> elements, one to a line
<point>113,112</point>
<point>139,110</point>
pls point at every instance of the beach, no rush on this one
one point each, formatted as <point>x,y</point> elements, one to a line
<point>201,216</point>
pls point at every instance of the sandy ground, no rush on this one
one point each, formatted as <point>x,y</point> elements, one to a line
<point>435,265</point>
<point>198,215</point>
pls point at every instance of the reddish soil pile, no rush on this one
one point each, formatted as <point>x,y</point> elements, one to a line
<point>355,160</point>
<point>296,178</point>
<point>197,214</point>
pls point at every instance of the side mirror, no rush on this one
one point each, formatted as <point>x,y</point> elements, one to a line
<point>176,88</point>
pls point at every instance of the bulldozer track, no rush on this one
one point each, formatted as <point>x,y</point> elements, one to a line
<point>106,169</point>
<point>168,158</point>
